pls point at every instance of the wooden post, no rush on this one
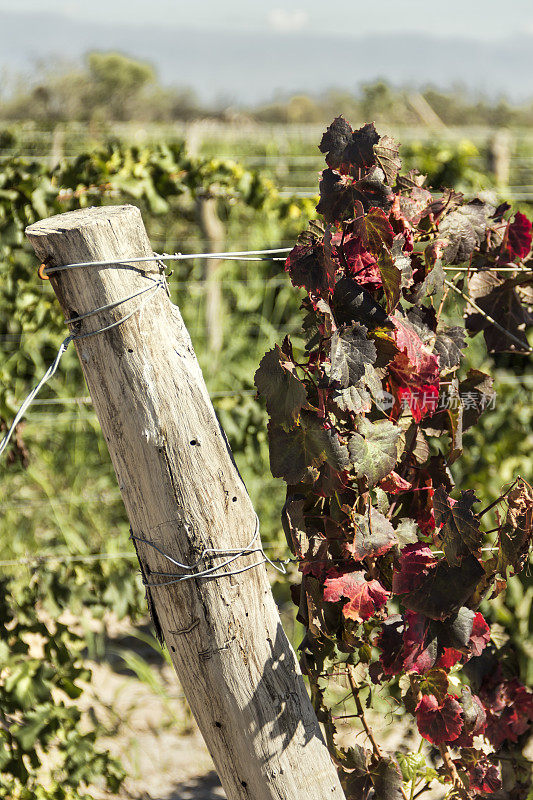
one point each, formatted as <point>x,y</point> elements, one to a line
<point>212,231</point>
<point>183,493</point>
<point>58,146</point>
<point>499,152</point>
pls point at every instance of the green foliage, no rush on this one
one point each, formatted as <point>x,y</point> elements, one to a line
<point>447,164</point>
<point>60,493</point>
<point>44,751</point>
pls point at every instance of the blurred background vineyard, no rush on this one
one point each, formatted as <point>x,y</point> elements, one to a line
<point>205,180</point>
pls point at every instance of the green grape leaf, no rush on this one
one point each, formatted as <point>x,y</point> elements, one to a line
<point>350,352</point>
<point>460,531</point>
<point>373,449</point>
<point>308,445</point>
<point>277,381</point>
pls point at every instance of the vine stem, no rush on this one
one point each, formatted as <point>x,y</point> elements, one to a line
<point>498,500</point>
<point>488,317</point>
<point>368,730</point>
<point>450,767</point>
<point>444,298</point>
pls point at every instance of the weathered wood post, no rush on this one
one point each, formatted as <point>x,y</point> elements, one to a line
<point>183,493</point>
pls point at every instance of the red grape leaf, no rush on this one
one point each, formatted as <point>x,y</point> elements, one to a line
<point>362,264</point>
<point>439,723</point>
<point>348,150</point>
<point>416,369</point>
<point>374,229</point>
<point>420,365</point>
<point>394,484</point>
<point>449,658</point>
<point>421,400</point>
<point>484,776</point>
<point>277,381</point>
<point>420,649</point>
<point>365,597</point>
<point>519,236</point>
<point>460,531</point>
<point>509,708</point>
<point>405,645</point>
<point>416,561</point>
<point>480,636</point>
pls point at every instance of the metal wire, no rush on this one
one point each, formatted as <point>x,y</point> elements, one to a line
<point>243,255</point>
<point>210,552</point>
<point>50,372</point>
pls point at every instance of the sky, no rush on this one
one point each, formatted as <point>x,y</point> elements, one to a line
<point>478,19</point>
<point>244,51</point>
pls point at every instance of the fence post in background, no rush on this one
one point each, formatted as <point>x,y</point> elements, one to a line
<point>213,239</point>
<point>58,144</point>
<point>183,493</point>
<point>500,157</point>
<point>427,115</point>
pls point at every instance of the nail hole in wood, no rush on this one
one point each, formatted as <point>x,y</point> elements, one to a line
<point>233,499</point>
<point>244,784</point>
<point>218,724</point>
<point>194,441</point>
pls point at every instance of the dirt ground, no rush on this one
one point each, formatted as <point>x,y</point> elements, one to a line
<point>154,736</point>
<point>134,693</point>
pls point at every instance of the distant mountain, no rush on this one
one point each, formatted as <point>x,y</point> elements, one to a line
<point>251,66</point>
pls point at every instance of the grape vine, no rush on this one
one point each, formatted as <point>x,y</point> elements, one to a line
<point>364,427</point>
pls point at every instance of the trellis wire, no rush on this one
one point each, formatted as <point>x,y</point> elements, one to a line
<point>50,372</point>
<point>211,552</point>
<point>67,558</point>
<point>238,255</point>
